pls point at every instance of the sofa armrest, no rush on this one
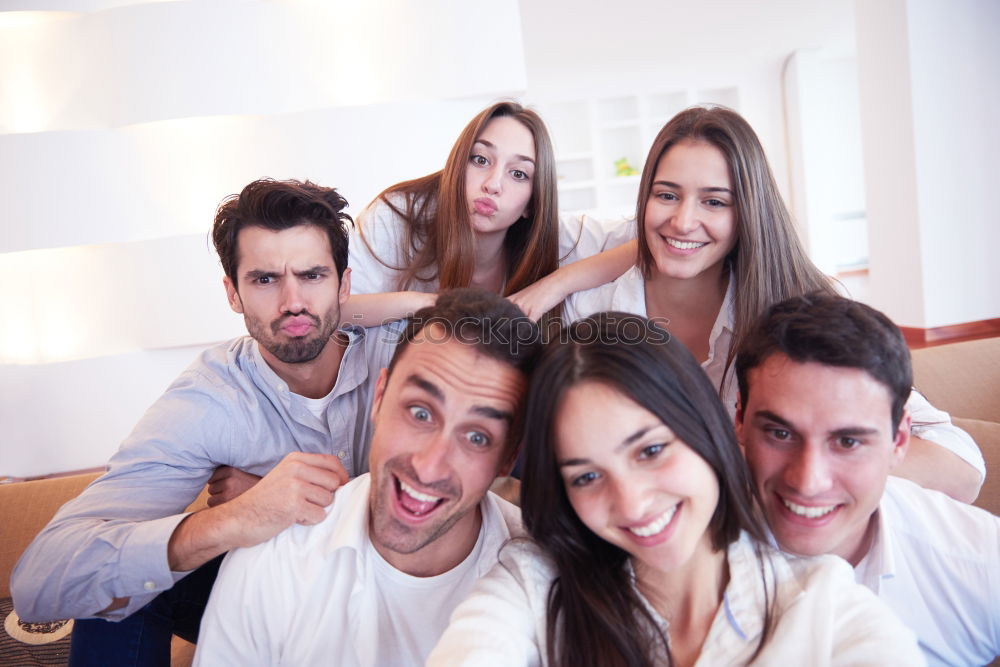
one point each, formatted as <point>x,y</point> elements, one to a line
<point>28,506</point>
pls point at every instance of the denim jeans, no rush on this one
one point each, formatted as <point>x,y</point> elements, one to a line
<point>144,637</point>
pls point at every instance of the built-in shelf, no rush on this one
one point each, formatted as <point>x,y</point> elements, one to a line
<point>592,135</point>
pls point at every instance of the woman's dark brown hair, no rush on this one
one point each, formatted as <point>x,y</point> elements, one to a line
<point>595,615</point>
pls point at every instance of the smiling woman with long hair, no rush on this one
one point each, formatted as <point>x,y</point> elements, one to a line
<point>645,547</point>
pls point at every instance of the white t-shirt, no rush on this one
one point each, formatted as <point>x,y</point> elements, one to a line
<point>936,563</point>
<point>315,595</point>
<point>372,263</point>
<point>401,598</point>
<point>822,617</point>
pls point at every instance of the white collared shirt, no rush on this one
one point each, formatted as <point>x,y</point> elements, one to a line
<point>936,563</point>
<point>821,617</point>
<point>628,294</point>
<point>318,594</point>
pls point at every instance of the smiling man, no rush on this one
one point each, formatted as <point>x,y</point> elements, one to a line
<point>289,403</point>
<point>822,420</point>
<point>376,581</point>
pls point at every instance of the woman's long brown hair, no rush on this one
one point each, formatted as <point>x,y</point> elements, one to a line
<point>768,262</point>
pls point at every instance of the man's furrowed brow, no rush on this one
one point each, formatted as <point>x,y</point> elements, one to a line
<point>427,386</point>
<point>257,274</point>
<point>320,269</point>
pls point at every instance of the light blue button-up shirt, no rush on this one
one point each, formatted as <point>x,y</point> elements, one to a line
<point>228,408</point>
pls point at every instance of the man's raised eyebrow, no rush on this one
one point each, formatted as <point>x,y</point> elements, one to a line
<point>489,144</point>
<point>493,413</point>
<point>427,386</point>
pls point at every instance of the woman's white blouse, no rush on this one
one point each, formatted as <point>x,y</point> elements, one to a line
<point>821,616</point>
<point>376,258</point>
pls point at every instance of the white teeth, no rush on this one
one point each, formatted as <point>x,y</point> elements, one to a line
<point>416,495</point>
<point>808,512</point>
<point>655,526</point>
<point>685,245</point>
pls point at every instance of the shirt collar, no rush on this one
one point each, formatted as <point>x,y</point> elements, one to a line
<point>727,314</point>
<point>879,563</point>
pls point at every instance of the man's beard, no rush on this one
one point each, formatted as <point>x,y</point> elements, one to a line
<point>296,350</point>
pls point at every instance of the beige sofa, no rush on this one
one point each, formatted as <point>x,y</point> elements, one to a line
<point>964,380</point>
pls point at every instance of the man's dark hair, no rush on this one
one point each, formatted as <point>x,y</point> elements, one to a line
<point>477,317</point>
<point>279,205</point>
<point>832,331</point>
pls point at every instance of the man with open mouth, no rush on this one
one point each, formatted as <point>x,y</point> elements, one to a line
<point>823,383</point>
<point>375,582</point>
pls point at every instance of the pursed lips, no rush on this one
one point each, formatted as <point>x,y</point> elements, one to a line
<point>295,325</point>
<point>485,206</point>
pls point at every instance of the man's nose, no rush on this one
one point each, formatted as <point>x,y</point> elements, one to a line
<point>809,473</point>
<point>292,300</point>
<point>430,461</point>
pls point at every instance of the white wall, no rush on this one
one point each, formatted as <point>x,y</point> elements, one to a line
<point>930,88</point>
<point>581,49</point>
<point>122,126</point>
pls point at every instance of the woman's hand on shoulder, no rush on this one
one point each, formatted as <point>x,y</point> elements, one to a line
<point>540,297</point>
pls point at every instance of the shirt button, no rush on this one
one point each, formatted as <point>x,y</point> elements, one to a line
<point>149,586</point>
<point>342,454</point>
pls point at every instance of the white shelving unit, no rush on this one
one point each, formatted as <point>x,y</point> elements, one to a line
<point>590,135</point>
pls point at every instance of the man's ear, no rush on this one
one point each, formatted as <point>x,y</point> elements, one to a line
<point>739,421</point>
<point>345,287</point>
<point>235,302</point>
<point>901,439</point>
<point>509,460</point>
<point>383,379</point>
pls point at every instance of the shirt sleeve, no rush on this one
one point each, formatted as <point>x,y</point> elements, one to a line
<point>111,541</point>
<point>374,250</point>
<point>583,235</point>
<point>845,622</point>
<point>936,426</point>
<point>236,628</point>
<point>865,631</point>
<point>498,624</point>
